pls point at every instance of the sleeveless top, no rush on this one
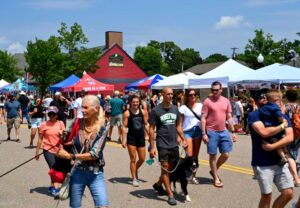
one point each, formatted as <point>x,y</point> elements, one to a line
<point>135,125</point>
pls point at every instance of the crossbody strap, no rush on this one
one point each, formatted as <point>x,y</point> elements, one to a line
<point>196,116</point>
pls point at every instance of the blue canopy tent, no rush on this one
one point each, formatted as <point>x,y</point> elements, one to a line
<point>18,85</point>
<point>71,80</point>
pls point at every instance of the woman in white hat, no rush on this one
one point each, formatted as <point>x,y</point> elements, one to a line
<point>49,136</point>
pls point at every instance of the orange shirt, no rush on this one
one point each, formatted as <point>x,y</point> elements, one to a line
<point>216,111</point>
<point>51,135</point>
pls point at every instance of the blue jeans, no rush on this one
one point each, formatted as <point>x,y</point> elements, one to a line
<point>25,113</point>
<point>96,184</point>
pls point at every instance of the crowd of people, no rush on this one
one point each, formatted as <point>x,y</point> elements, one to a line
<point>166,122</point>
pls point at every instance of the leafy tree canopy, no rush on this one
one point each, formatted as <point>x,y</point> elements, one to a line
<point>77,57</point>
<point>165,58</point>
<point>216,57</point>
<point>8,67</point>
<point>45,61</point>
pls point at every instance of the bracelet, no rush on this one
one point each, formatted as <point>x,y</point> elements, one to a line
<point>282,127</point>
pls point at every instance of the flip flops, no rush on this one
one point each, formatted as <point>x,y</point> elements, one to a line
<point>218,184</point>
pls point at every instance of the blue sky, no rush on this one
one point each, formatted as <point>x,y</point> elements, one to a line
<point>207,26</point>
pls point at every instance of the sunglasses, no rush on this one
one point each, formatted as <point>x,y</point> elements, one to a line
<point>215,90</point>
<point>51,114</point>
<point>191,95</point>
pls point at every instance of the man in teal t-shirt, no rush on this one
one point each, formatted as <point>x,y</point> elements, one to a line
<point>117,106</point>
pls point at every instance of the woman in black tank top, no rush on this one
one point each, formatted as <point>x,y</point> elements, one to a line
<point>135,119</point>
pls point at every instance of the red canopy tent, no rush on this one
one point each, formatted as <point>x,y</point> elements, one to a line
<point>88,84</point>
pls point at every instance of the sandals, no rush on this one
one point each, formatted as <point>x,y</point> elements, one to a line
<point>210,172</point>
<point>297,184</point>
<point>218,184</point>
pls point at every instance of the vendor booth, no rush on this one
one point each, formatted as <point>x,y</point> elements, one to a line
<point>71,80</point>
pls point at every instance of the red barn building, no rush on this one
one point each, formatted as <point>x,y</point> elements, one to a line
<point>115,65</point>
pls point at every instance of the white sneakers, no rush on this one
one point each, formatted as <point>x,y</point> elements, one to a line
<point>135,183</point>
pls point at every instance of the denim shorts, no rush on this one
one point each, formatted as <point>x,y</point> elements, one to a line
<point>280,175</point>
<point>36,122</point>
<point>116,120</point>
<point>94,181</point>
<point>218,139</point>
<point>194,133</point>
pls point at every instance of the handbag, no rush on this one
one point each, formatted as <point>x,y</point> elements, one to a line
<point>64,191</point>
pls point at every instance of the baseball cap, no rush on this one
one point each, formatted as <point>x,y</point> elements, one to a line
<point>22,93</point>
<point>57,93</point>
<point>53,109</point>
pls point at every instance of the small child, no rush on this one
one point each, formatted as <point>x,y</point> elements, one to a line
<point>271,115</point>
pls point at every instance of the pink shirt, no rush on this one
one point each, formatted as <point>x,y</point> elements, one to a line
<point>216,111</point>
<point>51,132</point>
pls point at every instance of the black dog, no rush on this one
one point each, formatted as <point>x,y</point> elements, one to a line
<point>183,173</point>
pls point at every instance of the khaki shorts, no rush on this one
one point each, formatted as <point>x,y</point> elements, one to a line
<point>13,121</point>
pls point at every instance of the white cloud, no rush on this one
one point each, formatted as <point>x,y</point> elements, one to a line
<point>268,2</point>
<point>60,4</point>
<point>3,40</point>
<point>231,22</point>
<point>16,48</point>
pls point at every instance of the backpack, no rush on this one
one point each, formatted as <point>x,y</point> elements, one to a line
<point>295,119</point>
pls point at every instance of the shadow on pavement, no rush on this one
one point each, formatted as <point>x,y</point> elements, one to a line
<point>146,193</point>
<point>40,190</point>
<point>203,180</point>
<point>125,180</point>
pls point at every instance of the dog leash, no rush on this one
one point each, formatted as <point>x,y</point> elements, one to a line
<point>174,169</point>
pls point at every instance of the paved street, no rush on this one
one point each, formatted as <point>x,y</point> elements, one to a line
<point>27,186</point>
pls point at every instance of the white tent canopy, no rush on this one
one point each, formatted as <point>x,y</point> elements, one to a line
<point>177,81</point>
<point>231,69</point>
<point>279,73</point>
<point>3,83</point>
<point>206,83</point>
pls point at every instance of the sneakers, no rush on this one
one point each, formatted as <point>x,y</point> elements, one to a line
<point>53,191</point>
<point>135,183</point>
<point>172,201</point>
<point>8,138</point>
<point>159,189</point>
<point>50,189</point>
<point>194,181</point>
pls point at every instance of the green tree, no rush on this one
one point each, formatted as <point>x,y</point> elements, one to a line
<point>77,57</point>
<point>149,59</point>
<point>216,57</point>
<point>173,59</point>
<point>190,58</point>
<point>263,44</point>
<point>8,67</point>
<point>45,61</point>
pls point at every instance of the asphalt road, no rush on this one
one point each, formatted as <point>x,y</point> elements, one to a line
<point>27,186</point>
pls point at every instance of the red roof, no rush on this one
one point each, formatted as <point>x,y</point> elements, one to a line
<point>89,84</point>
<point>118,75</point>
